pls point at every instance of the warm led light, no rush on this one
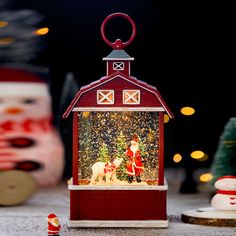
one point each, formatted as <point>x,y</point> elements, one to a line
<point>6,40</point>
<point>206,177</point>
<point>197,154</point>
<point>166,118</point>
<point>85,114</point>
<point>3,23</point>
<point>177,158</point>
<point>187,111</point>
<point>42,31</point>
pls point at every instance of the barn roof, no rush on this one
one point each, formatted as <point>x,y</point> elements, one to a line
<point>118,54</point>
<point>106,79</point>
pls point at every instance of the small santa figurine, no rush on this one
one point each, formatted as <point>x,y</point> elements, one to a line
<point>53,225</point>
<point>225,199</point>
<point>134,160</point>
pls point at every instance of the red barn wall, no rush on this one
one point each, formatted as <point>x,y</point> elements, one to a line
<point>118,205</point>
<point>111,71</point>
<point>118,84</point>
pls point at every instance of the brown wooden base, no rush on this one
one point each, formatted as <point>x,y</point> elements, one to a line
<point>209,217</point>
<point>16,186</point>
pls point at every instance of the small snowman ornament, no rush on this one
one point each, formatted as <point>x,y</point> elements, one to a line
<point>225,199</point>
<point>223,206</point>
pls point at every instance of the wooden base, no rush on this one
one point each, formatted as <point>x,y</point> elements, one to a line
<point>210,217</point>
<point>119,223</point>
<point>16,186</point>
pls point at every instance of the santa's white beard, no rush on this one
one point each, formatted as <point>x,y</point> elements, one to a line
<point>134,148</point>
<point>54,223</point>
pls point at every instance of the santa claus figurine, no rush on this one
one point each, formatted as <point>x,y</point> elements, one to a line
<point>134,160</point>
<point>225,199</point>
<point>53,225</point>
<point>28,139</point>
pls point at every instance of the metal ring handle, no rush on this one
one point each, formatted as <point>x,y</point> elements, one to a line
<point>118,44</point>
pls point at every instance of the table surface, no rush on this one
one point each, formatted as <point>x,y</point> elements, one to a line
<point>31,217</point>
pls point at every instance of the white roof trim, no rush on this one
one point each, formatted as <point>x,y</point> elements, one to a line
<point>119,109</point>
<point>117,59</point>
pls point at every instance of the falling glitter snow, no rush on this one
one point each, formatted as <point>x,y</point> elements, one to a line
<point>106,135</point>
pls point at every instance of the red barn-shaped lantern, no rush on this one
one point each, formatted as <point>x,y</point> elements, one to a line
<point>118,148</point>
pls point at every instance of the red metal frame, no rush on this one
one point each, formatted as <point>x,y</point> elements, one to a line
<point>75,148</point>
<point>161,149</point>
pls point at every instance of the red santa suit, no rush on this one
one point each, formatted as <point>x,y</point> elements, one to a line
<point>134,163</point>
<point>53,225</point>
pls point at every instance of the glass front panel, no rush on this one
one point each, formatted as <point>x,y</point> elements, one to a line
<point>118,148</point>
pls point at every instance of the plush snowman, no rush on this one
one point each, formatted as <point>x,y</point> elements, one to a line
<point>225,199</point>
<point>28,139</point>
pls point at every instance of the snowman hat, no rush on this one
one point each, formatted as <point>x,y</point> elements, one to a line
<point>220,182</point>
<point>226,177</point>
<point>18,82</point>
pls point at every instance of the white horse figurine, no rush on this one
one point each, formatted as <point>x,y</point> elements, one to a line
<point>107,169</point>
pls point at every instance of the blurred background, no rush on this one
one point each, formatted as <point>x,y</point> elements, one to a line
<point>182,49</point>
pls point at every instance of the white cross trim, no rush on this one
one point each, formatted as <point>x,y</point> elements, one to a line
<point>105,99</point>
<point>131,96</point>
<point>118,65</point>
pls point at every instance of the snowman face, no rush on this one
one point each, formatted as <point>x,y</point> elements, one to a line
<point>226,184</point>
<point>22,107</point>
<point>40,155</point>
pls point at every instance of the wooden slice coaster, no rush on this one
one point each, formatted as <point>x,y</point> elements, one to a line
<point>16,186</point>
<point>210,217</point>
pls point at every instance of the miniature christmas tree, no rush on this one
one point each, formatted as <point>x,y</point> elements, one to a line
<point>120,153</point>
<point>224,162</point>
<point>103,153</point>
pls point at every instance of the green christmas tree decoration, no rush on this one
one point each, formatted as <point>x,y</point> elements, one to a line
<point>224,162</point>
<point>120,153</point>
<point>103,153</point>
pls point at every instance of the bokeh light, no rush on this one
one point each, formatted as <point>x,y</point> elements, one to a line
<point>3,23</point>
<point>197,154</point>
<point>7,40</point>
<point>177,158</point>
<point>42,31</point>
<point>206,177</point>
<point>166,118</point>
<point>187,111</point>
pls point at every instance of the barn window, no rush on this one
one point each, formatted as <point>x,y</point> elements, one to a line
<point>118,65</point>
<point>105,97</point>
<point>131,96</point>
